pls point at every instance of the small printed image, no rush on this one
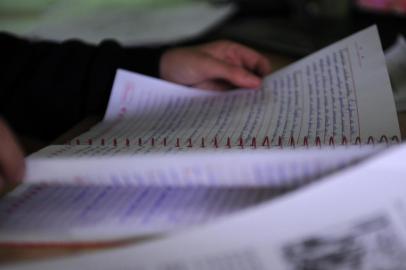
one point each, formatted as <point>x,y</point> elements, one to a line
<point>372,244</point>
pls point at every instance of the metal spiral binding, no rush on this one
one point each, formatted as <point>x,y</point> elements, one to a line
<point>241,142</point>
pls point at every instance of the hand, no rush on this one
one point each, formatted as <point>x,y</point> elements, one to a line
<point>11,157</point>
<point>218,65</point>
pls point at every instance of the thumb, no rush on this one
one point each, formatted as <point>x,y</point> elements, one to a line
<point>11,156</point>
<point>234,75</point>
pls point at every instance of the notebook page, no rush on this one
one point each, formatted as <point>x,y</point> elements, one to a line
<point>130,89</point>
<point>66,214</point>
<point>289,168</point>
<point>308,228</point>
<point>136,95</point>
<point>336,92</point>
<point>330,96</point>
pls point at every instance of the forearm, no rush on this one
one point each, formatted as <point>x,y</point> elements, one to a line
<point>47,87</point>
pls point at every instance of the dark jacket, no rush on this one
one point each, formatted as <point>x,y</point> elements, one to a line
<point>47,87</point>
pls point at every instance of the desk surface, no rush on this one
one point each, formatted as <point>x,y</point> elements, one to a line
<point>16,254</point>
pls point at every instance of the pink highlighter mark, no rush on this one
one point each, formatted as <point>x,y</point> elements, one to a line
<point>128,92</point>
<point>126,97</point>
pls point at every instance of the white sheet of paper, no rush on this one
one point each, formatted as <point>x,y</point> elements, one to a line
<point>358,215</point>
<point>90,165</point>
<point>331,94</point>
<point>73,213</point>
<point>77,197</point>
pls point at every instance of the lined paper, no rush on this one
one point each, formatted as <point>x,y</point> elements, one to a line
<point>68,213</point>
<point>233,168</point>
<point>356,215</point>
<point>129,182</point>
<point>330,95</point>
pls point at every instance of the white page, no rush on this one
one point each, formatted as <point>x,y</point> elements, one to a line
<point>118,167</point>
<point>110,197</point>
<point>357,216</point>
<point>139,96</point>
<point>72,214</point>
<point>339,90</point>
<point>330,95</point>
<point>131,89</point>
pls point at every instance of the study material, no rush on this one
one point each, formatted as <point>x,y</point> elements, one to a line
<point>120,197</point>
<point>355,219</point>
<point>329,97</point>
<point>160,143</point>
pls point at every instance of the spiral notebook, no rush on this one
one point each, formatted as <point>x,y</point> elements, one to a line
<point>164,148</point>
<point>339,96</point>
<point>315,228</point>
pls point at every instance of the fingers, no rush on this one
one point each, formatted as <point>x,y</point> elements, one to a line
<point>239,55</point>
<point>215,64</point>
<point>216,85</point>
<point>219,70</point>
<point>251,60</point>
<point>11,157</point>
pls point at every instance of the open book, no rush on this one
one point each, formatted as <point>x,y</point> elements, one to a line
<point>354,219</point>
<point>166,156</point>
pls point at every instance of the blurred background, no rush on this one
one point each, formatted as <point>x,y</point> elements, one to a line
<point>291,27</point>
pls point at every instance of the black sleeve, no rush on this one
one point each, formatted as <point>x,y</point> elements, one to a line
<point>46,87</point>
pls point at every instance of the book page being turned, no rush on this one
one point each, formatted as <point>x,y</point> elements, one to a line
<point>35,214</point>
<point>352,220</point>
<point>339,95</point>
<point>117,166</point>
